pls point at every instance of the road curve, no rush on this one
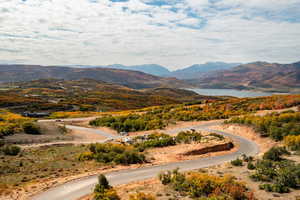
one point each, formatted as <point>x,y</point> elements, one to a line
<point>80,187</point>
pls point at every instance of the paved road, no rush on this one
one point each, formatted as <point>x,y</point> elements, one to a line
<point>77,188</point>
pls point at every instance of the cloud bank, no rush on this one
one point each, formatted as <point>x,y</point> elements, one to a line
<point>174,33</point>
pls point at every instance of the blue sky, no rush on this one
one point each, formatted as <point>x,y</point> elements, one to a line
<point>173,33</point>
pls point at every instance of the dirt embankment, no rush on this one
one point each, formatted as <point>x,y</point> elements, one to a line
<point>211,149</point>
<point>264,143</point>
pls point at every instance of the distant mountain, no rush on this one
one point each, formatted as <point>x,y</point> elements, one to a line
<point>257,75</point>
<point>132,79</point>
<point>194,71</point>
<point>199,70</point>
<point>153,69</point>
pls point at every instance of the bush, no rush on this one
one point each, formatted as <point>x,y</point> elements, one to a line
<point>250,165</point>
<point>141,196</point>
<point>113,153</point>
<point>274,188</point>
<point>292,142</point>
<point>188,137</point>
<point>247,158</point>
<point>103,191</point>
<point>237,162</point>
<point>196,184</point>
<point>155,140</point>
<point>275,153</point>
<point>275,125</point>
<point>85,156</point>
<point>31,128</point>
<point>165,177</point>
<point>221,137</point>
<point>11,150</point>
<point>7,129</point>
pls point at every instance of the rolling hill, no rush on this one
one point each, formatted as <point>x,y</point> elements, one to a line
<point>132,79</point>
<point>88,95</point>
<point>257,75</point>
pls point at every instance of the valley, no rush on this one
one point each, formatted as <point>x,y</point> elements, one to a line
<point>149,146</point>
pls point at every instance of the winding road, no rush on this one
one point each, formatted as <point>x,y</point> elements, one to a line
<point>80,187</point>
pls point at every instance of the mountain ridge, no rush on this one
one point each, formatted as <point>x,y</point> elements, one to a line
<point>256,75</point>
<point>128,78</point>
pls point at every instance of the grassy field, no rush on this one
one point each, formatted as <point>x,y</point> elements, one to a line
<point>41,164</point>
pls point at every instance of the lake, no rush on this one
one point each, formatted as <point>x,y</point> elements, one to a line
<point>230,92</point>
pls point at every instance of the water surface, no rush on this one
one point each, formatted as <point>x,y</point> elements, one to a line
<point>230,92</point>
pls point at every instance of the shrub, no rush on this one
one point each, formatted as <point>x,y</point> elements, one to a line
<point>103,191</point>
<point>247,158</point>
<point>250,165</point>
<point>141,196</point>
<point>221,137</point>
<point>237,162</point>
<point>11,150</point>
<point>31,128</point>
<point>165,177</point>
<point>275,153</point>
<point>292,142</point>
<point>155,140</point>
<point>85,156</point>
<point>188,136</point>
<point>113,153</point>
<point>196,184</point>
<point>274,188</point>
<point>7,129</point>
<point>275,125</point>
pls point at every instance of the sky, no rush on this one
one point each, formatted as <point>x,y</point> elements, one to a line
<point>172,33</point>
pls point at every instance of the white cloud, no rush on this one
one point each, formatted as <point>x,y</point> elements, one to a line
<point>80,32</point>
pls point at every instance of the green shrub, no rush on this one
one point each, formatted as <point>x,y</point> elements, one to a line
<point>221,137</point>
<point>11,150</point>
<point>113,153</point>
<point>237,162</point>
<point>275,153</point>
<point>103,191</point>
<point>165,178</point>
<point>154,140</point>
<point>85,156</point>
<point>274,188</point>
<point>188,136</point>
<point>274,125</point>
<point>31,128</point>
<point>247,158</point>
<point>7,129</point>
<point>250,165</point>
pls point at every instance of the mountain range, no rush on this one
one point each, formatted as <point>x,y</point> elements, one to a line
<point>190,72</point>
<point>256,75</point>
<point>128,78</point>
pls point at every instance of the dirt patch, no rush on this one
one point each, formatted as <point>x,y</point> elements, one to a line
<point>82,135</point>
<point>181,152</point>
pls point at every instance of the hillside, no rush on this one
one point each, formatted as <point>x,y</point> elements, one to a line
<point>87,95</point>
<point>257,75</point>
<point>200,70</point>
<point>132,79</point>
